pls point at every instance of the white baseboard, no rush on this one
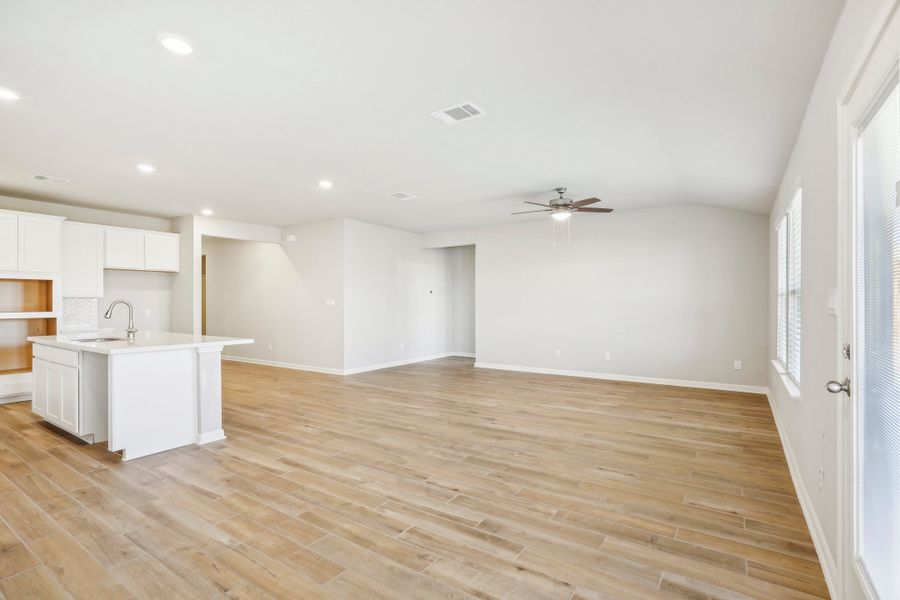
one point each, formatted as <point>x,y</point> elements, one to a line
<point>707,385</point>
<point>400,363</point>
<point>284,365</point>
<point>353,371</point>
<point>829,567</point>
<point>15,398</point>
<point>15,385</point>
<point>211,436</point>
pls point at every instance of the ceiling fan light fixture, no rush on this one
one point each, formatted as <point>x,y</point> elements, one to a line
<point>561,215</point>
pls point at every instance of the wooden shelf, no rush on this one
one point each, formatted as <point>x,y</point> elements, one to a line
<point>26,296</point>
<point>15,349</point>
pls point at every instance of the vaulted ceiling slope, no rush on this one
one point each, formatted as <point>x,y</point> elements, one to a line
<point>640,102</point>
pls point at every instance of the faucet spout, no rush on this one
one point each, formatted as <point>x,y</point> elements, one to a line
<point>131,328</point>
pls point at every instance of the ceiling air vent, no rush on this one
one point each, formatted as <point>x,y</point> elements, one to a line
<point>50,179</point>
<point>401,196</point>
<point>456,114</point>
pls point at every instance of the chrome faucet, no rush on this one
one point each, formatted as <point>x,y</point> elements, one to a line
<point>131,328</point>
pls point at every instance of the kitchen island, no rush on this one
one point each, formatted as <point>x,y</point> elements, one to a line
<point>155,392</point>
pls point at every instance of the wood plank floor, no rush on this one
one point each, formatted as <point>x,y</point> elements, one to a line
<point>435,480</point>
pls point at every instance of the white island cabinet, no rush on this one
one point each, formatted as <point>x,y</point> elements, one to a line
<point>156,392</point>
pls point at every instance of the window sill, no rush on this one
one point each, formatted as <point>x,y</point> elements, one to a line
<point>789,386</point>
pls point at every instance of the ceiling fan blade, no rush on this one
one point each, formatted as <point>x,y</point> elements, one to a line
<point>585,202</point>
<point>525,212</point>
<point>537,204</point>
<point>595,210</point>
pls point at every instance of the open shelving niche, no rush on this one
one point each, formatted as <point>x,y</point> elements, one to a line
<point>27,308</point>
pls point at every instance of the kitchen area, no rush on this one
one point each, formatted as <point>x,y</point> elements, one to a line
<point>139,391</point>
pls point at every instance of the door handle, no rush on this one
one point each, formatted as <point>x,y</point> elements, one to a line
<point>836,387</point>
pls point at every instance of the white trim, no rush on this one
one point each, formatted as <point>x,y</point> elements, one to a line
<point>397,363</point>
<point>15,398</point>
<point>706,385</point>
<point>826,559</point>
<point>284,365</point>
<point>353,371</point>
<point>789,385</point>
<point>16,384</point>
<point>210,436</point>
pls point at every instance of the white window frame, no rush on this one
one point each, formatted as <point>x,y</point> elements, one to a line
<point>788,248</point>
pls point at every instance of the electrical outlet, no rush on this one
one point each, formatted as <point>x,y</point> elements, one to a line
<point>558,353</point>
<point>147,312</point>
<point>270,346</point>
<point>738,365</point>
<point>607,356</point>
<point>330,303</point>
<point>402,346</point>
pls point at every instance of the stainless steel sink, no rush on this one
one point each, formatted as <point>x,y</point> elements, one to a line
<point>100,339</point>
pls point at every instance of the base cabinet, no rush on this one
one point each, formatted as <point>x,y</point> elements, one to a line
<point>55,394</point>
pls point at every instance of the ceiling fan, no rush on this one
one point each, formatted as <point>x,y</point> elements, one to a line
<point>562,208</point>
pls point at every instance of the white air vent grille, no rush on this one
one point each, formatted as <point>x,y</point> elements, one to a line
<point>461,112</point>
<point>50,179</point>
<point>401,196</point>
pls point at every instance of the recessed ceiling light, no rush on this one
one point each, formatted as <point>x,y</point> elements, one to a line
<point>207,212</point>
<point>145,168</point>
<point>8,94</point>
<point>175,44</point>
<point>325,184</point>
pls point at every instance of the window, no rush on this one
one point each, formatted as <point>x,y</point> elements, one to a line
<point>781,325</point>
<point>788,289</point>
<point>877,385</point>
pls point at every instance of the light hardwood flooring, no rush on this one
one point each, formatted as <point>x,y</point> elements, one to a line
<point>435,480</point>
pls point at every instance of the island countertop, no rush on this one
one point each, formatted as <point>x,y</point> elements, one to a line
<point>144,341</point>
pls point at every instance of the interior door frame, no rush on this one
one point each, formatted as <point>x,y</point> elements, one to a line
<point>877,64</point>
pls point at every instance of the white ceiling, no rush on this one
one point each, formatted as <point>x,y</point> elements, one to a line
<point>640,102</point>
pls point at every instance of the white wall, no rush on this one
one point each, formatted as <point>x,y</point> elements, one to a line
<point>393,300</point>
<point>810,420</point>
<point>675,293</point>
<point>461,284</point>
<point>276,294</point>
<point>186,283</point>
<point>147,291</point>
<point>396,297</point>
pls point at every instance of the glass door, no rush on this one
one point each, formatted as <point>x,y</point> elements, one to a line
<point>877,333</point>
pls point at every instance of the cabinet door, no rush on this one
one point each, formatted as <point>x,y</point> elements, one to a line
<point>162,251</point>
<point>53,381</point>
<point>124,249</point>
<point>82,261</point>
<point>39,387</point>
<point>9,245</point>
<point>68,416</point>
<point>59,387</point>
<point>40,241</point>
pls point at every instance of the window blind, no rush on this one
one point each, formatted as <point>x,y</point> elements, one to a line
<point>793,287</point>
<point>878,342</point>
<point>781,298</point>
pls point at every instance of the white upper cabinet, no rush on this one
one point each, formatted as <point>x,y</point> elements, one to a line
<point>40,242</point>
<point>82,260</point>
<point>9,241</point>
<point>30,242</point>
<point>124,249</point>
<point>162,251</point>
<point>140,250</point>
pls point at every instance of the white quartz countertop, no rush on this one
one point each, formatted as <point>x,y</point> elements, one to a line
<point>144,341</point>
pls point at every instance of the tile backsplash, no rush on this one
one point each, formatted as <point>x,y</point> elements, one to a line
<point>78,314</point>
